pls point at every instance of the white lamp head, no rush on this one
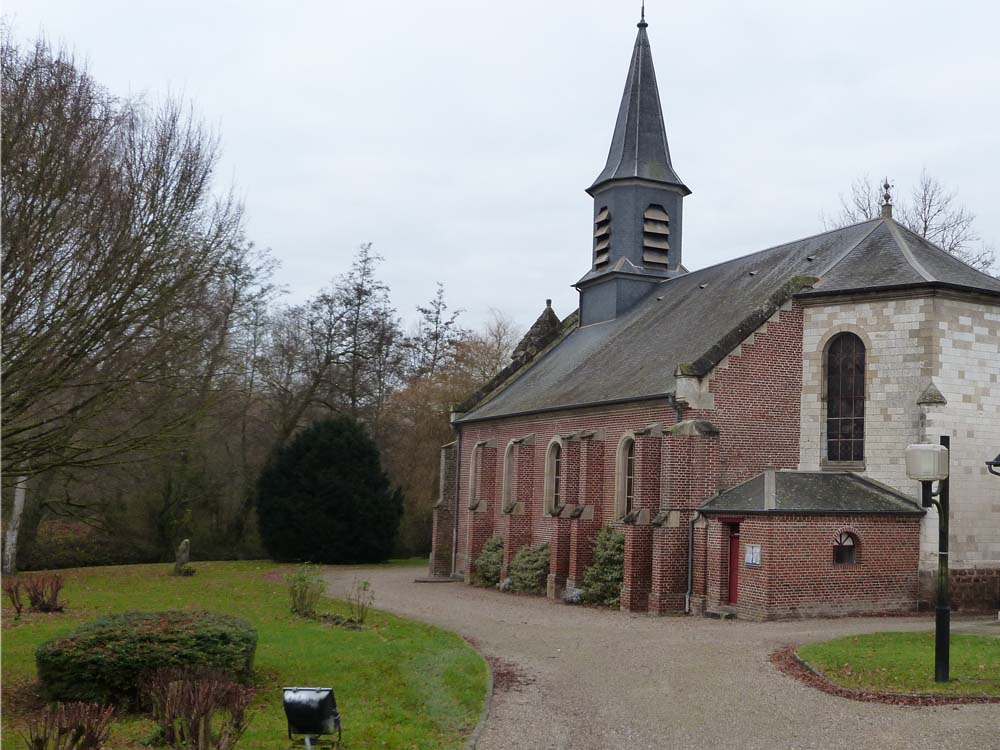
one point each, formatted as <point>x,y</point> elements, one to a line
<point>926,462</point>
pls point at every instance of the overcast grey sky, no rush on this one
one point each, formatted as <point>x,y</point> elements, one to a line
<point>459,136</point>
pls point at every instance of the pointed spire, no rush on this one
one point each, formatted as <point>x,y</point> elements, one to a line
<point>639,145</point>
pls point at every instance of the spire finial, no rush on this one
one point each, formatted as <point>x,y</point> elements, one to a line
<point>642,17</point>
<point>886,198</point>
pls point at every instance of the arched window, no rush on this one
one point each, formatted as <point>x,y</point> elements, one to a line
<point>845,549</point>
<point>625,485</point>
<point>845,398</point>
<point>507,484</point>
<point>474,477</point>
<point>553,476</point>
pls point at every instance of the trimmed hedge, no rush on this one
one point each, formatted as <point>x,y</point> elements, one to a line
<point>602,583</point>
<point>104,661</point>
<point>489,562</point>
<point>529,568</point>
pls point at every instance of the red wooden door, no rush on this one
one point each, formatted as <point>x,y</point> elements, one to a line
<point>734,564</point>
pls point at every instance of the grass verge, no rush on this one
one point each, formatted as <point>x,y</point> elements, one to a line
<point>399,683</point>
<point>904,663</point>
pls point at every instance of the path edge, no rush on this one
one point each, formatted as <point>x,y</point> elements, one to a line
<point>473,740</point>
<point>787,661</point>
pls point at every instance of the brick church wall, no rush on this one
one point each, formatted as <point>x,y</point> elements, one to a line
<point>797,576</point>
<point>755,394</point>
<point>593,484</point>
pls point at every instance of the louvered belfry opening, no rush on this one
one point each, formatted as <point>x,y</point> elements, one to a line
<point>602,238</point>
<point>655,236</point>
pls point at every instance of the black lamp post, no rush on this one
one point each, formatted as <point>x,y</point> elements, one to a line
<point>928,463</point>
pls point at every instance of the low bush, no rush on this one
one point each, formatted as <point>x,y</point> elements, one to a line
<point>489,562</point>
<point>361,598</point>
<point>106,660</point>
<point>68,544</point>
<point>305,587</point>
<point>69,726</point>
<point>43,592</point>
<point>528,570</point>
<point>602,583</point>
<point>195,710</point>
<point>13,589</point>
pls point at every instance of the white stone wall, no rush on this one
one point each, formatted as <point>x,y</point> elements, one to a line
<point>967,374</point>
<point>911,342</point>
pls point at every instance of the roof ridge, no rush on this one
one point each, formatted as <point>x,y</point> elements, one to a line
<point>843,256</point>
<point>944,252</point>
<point>778,247</point>
<point>907,253</point>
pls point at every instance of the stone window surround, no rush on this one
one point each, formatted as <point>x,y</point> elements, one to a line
<point>475,466</point>
<point>621,457</point>
<point>507,498</point>
<point>550,479</point>
<point>823,349</point>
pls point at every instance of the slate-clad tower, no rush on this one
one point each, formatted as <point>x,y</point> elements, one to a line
<point>638,201</point>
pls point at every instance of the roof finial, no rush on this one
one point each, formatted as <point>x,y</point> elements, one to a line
<point>886,199</point>
<point>642,18</point>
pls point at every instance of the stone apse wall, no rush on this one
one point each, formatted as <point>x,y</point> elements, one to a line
<point>942,340</point>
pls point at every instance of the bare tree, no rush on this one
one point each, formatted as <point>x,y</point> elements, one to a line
<point>112,244</point>
<point>485,352</point>
<point>931,210</point>
<point>433,345</point>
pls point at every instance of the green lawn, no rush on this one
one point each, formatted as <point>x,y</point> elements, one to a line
<point>399,684</point>
<point>904,663</point>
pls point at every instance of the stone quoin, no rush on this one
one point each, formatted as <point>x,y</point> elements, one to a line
<point>743,425</point>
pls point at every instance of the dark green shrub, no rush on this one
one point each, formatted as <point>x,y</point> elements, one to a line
<point>105,661</point>
<point>489,562</point>
<point>602,583</point>
<point>324,497</point>
<point>529,568</point>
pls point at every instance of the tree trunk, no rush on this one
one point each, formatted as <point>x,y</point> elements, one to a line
<point>10,540</point>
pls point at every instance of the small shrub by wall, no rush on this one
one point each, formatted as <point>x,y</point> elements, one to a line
<point>106,660</point>
<point>305,588</point>
<point>602,583</point>
<point>489,562</point>
<point>529,569</point>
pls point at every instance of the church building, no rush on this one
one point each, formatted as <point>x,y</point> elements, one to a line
<point>744,425</point>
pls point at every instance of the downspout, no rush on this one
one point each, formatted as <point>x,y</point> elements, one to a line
<point>458,485</point>
<point>672,400</point>
<point>690,589</point>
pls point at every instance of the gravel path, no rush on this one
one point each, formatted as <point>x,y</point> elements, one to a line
<point>573,677</point>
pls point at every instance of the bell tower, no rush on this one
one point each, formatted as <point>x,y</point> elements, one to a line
<point>638,201</point>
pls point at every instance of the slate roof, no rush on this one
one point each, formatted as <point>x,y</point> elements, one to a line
<point>813,492</point>
<point>893,257</point>
<point>694,320</point>
<point>639,146</point>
